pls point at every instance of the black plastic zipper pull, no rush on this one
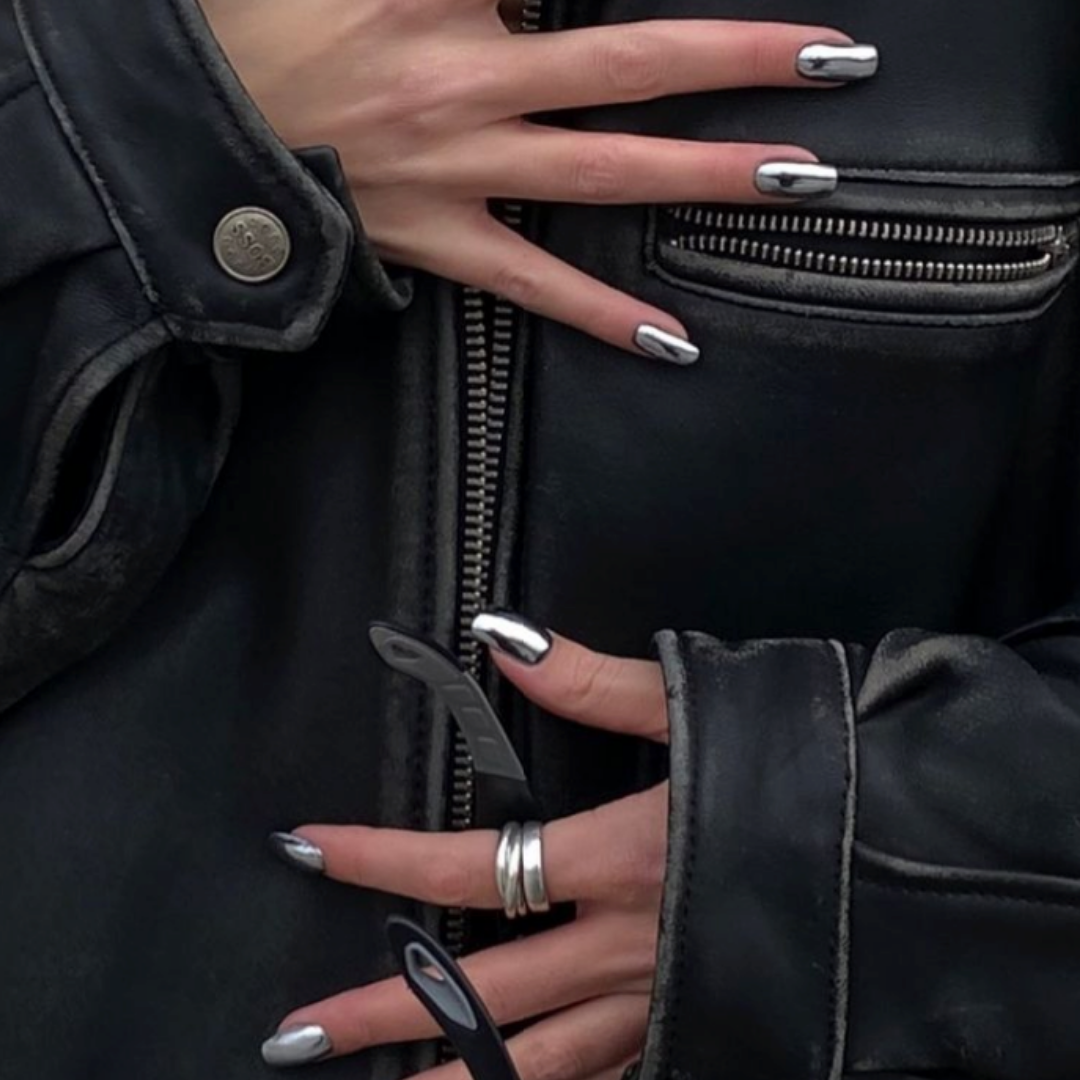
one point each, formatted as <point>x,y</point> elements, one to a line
<point>502,791</point>
<point>440,984</point>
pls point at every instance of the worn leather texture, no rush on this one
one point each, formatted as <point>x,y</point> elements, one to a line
<point>868,509</point>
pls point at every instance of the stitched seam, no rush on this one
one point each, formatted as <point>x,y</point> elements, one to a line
<point>258,149</point>
<point>82,152</point>
<point>973,894</point>
<point>842,933</point>
<point>18,92</point>
<point>688,875</point>
<point>956,176</point>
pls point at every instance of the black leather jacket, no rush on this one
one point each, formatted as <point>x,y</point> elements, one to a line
<point>867,492</point>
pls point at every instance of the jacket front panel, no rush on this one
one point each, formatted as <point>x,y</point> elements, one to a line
<point>847,458</point>
<point>825,470</point>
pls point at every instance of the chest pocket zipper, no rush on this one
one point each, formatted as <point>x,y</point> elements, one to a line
<point>872,248</point>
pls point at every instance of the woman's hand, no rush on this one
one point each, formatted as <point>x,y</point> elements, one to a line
<point>426,101</point>
<point>590,979</point>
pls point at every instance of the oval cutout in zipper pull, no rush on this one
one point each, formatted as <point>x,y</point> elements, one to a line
<point>442,988</point>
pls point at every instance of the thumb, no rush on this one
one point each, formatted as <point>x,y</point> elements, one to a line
<point>571,681</point>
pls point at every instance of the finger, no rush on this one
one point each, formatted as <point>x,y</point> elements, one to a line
<point>492,257</point>
<point>530,161</point>
<point>451,869</point>
<point>530,977</point>
<point>615,853</point>
<point>639,61</point>
<point>592,688</point>
<point>573,1044</point>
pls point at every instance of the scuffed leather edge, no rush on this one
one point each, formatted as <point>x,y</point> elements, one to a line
<point>680,859</point>
<point>687,660</point>
<point>372,282</point>
<point>58,607</point>
<point>236,135</point>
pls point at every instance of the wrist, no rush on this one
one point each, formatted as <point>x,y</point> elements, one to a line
<point>252,45</point>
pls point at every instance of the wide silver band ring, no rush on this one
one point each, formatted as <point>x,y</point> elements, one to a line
<point>532,868</point>
<point>519,869</point>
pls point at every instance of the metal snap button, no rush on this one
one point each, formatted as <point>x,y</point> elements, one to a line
<point>252,245</point>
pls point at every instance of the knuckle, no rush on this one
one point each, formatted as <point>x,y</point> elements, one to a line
<point>589,682</point>
<point>636,955</point>
<point>518,284</point>
<point>632,63</point>
<point>417,99</point>
<point>427,98</point>
<point>599,173</point>
<point>765,61</point>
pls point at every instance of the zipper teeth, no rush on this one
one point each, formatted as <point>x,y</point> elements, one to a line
<point>530,15</point>
<point>853,228</point>
<point>924,270</point>
<point>489,329</point>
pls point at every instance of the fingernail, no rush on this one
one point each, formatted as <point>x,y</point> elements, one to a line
<point>796,179</point>
<point>666,346</point>
<point>838,63</point>
<point>298,1045</point>
<point>299,853</point>
<point>512,635</point>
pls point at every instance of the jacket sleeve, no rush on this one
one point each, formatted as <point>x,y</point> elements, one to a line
<point>125,139</point>
<point>874,861</point>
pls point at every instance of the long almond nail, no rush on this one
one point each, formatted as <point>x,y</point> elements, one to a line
<point>838,63</point>
<point>512,635</point>
<point>796,179</point>
<point>298,853</point>
<point>300,1045</point>
<point>666,346</point>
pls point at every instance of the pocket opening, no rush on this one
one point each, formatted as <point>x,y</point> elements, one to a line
<point>870,263</point>
<point>84,474</point>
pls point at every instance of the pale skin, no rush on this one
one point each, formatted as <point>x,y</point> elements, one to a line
<point>591,979</point>
<point>428,103</point>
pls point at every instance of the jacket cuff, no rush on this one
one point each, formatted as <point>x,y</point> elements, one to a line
<point>172,144</point>
<point>752,974</point>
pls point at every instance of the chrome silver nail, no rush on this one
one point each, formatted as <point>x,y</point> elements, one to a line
<point>666,346</point>
<point>299,853</point>
<point>796,179</point>
<point>299,1045</point>
<point>512,635</point>
<point>838,63</point>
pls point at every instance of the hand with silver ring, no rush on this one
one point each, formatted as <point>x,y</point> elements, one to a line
<point>588,981</point>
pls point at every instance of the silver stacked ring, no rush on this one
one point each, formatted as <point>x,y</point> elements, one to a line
<point>519,869</point>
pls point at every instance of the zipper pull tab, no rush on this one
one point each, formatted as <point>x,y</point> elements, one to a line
<point>503,792</point>
<point>1060,246</point>
<point>440,984</point>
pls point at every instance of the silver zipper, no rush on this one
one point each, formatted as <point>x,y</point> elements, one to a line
<point>984,254</point>
<point>490,328</point>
